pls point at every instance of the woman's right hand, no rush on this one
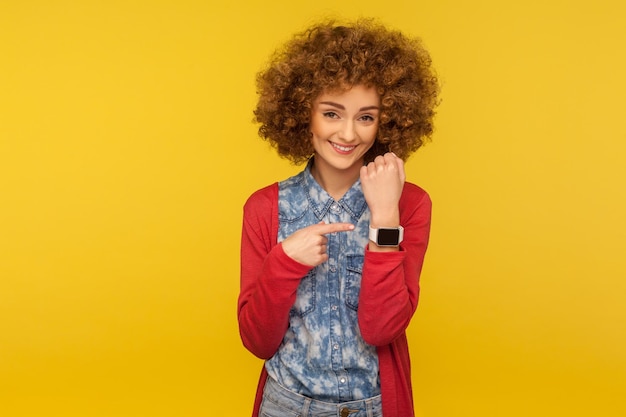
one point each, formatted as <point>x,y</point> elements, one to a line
<point>308,245</point>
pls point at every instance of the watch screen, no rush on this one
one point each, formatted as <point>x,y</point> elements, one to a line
<point>388,236</point>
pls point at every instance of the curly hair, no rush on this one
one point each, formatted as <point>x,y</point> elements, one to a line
<point>329,57</point>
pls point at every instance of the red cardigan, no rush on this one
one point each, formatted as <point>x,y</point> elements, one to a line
<point>387,301</point>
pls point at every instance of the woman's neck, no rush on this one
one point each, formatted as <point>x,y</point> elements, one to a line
<point>334,181</point>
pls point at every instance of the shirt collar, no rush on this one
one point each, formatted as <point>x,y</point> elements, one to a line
<point>353,201</point>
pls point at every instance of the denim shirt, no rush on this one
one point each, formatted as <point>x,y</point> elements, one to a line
<point>323,355</point>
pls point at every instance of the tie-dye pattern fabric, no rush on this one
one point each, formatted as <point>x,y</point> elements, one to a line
<point>323,355</point>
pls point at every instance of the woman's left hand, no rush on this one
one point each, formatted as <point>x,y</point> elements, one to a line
<point>382,181</point>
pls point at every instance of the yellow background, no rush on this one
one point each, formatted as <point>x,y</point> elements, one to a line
<point>127,151</point>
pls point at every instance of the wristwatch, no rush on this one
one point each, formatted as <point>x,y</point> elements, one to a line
<point>387,236</point>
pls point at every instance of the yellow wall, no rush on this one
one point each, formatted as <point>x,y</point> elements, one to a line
<point>127,151</point>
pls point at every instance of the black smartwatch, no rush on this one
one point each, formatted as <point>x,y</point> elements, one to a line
<point>387,236</point>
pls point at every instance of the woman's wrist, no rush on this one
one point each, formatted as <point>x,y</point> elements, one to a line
<point>388,219</point>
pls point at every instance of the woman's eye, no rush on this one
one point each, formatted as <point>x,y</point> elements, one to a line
<point>367,118</point>
<point>330,114</point>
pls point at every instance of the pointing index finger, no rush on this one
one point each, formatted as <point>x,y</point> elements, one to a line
<point>325,228</point>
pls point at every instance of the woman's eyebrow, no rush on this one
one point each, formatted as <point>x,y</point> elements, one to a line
<point>331,103</point>
<point>340,106</point>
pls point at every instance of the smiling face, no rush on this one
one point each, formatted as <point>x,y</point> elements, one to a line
<point>344,127</point>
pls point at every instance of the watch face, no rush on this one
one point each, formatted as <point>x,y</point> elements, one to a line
<point>389,237</point>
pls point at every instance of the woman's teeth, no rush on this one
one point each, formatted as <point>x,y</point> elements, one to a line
<point>343,148</point>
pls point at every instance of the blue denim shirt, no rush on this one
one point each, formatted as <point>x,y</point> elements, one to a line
<point>323,355</point>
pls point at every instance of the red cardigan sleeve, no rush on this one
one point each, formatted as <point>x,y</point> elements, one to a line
<point>269,278</point>
<point>390,280</point>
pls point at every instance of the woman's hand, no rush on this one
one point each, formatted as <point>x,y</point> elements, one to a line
<point>382,181</point>
<point>308,245</point>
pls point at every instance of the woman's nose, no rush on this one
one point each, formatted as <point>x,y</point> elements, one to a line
<point>348,132</point>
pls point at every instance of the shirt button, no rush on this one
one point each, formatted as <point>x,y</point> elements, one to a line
<point>342,380</point>
<point>333,269</point>
<point>334,308</point>
<point>335,346</point>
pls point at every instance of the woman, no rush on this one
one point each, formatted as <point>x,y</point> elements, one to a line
<point>331,258</point>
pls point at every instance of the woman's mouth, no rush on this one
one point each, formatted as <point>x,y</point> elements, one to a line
<point>342,148</point>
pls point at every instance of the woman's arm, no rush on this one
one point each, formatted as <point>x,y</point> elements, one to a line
<point>269,278</point>
<point>390,282</point>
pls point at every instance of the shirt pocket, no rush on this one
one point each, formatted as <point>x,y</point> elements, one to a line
<point>306,294</point>
<point>352,283</point>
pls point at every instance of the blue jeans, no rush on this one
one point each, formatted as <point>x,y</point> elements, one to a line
<point>280,402</point>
